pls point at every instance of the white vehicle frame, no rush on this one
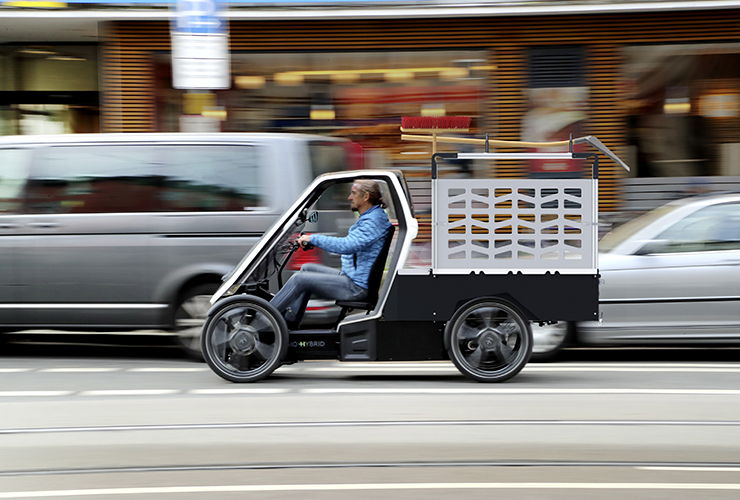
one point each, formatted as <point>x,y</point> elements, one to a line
<point>505,253</point>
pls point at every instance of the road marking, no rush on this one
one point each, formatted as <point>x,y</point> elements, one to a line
<point>561,367</point>
<point>169,369</point>
<point>690,469</point>
<point>611,369</point>
<point>130,392</point>
<point>515,391</point>
<point>376,391</point>
<point>79,370</point>
<point>375,423</point>
<point>12,394</point>
<point>257,390</point>
<point>370,368</point>
<point>707,467</point>
<point>426,367</point>
<point>168,490</point>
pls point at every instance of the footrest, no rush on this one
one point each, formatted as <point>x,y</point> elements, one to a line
<point>354,305</point>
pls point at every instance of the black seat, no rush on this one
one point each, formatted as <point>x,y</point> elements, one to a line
<point>373,282</point>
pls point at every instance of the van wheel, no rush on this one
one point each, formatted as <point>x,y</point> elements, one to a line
<point>488,340</point>
<point>245,339</point>
<point>190,315</point>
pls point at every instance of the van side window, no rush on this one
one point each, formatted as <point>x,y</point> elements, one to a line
<point>211,178</point>
<point>93,179</point>
<point>328,156</point>
<point>14,166</point>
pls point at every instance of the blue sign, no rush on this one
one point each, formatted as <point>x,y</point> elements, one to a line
<point>201,17</point>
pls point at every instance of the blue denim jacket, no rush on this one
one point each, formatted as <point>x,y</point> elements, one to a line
<point>365,239</point>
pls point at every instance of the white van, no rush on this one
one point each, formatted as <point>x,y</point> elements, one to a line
<point>135,231</point>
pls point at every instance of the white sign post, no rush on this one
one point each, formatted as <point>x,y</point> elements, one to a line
<point>200,46</point>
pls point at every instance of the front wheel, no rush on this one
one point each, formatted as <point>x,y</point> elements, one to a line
<point>488,340</point>
<point>245,339</point>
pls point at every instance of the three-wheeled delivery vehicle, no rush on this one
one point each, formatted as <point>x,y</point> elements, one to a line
<point>504,253</point>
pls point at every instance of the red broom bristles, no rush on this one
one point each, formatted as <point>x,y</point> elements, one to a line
<point>435,122</point>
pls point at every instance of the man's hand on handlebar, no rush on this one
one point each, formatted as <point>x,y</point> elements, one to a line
<point>304,241</point>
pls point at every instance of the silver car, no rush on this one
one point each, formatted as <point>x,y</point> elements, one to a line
<point>669,277</point>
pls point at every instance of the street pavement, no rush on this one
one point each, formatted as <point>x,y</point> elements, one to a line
<point>94,425</point>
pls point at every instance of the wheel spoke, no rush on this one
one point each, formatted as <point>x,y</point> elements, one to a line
<point>220,335</point>
<point>262,324</point>
<point>263,351</point>
<point>239,361</point>
<point>476,357</point>
<point>507,328</point>
<point>247,317</point>
<point>485,315</point>
<point>503,353</point>
<point>190,337</point>
<point>467,332</point>
<point>230,326</point>
<point>196,307</point>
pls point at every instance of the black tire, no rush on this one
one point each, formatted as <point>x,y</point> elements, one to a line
<point>549,341</point>
<point>191,310</point>
<point>244,339</point>
<point>488,340</point>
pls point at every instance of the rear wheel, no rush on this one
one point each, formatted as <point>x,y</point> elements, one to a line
<point>488,340</point>
<point>245,339</point>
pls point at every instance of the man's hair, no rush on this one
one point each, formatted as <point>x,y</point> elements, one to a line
<point>373,189</point>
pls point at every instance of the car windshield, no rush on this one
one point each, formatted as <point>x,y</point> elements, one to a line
<point>618,235</point>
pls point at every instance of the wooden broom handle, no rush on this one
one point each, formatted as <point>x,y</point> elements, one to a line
<point>482,142</point>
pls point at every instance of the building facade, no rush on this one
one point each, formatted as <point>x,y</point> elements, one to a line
<point>657,82</point>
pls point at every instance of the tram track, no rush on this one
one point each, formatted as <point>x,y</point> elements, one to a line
<point>655,465</point>
<point>369,423</point>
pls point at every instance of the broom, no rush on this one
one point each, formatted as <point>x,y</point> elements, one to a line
<point>436,125</point>
<point>447,124</point>
<point>433,125</point>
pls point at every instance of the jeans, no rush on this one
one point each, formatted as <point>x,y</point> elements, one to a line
<point>314,279</point>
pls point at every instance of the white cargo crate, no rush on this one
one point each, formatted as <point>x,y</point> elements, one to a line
<point>515,225</point>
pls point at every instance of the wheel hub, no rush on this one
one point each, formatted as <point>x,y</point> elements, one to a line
<point>489,340</point>
<point>244,340</point>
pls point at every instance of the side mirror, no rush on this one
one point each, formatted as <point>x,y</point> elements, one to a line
<point>653,247</point>
<point>313,217</point>
<point>301,217</point>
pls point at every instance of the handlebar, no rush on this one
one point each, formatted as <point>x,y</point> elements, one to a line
<point>307,246</point>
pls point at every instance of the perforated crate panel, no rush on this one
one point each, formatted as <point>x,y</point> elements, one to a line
<point>502,225</point>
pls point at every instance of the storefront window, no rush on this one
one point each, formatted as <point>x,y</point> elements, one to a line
<point>49,89</point>
<point>557,107</point>
<point>683,105</point>
<point>359,95</point>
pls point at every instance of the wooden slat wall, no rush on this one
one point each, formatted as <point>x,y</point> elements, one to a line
<point>128,81</point>
<point>606,120</point>
<point>509,102</point>
<point>128,75</point>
